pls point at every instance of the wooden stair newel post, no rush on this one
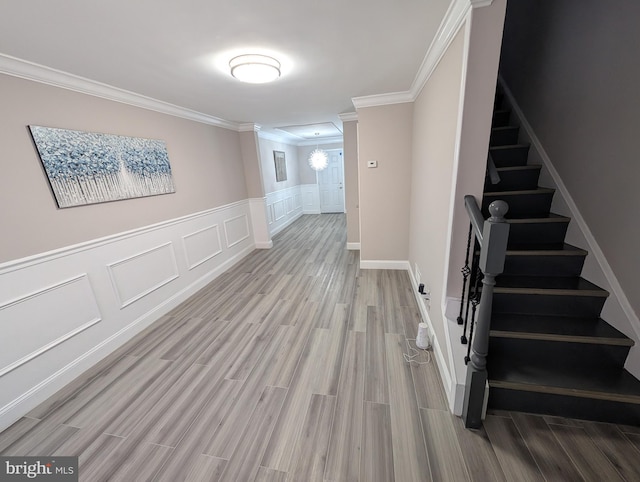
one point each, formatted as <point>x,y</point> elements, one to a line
<point>495,234</point>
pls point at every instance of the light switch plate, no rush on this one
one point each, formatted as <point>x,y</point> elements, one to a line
<point>372,163</point>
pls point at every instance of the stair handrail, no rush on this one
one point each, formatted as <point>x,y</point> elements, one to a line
<point>492,235</point>
<point>475,216</point>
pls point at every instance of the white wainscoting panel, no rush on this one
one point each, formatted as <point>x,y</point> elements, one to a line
<point>40,321</point>
<point>279,209</point>
<point>260,223</point>
<point>201,245</point>
<point>310,198</point>
<point>283,207</point>
<point>236,230</point>
<point>62,311</point>
<point>136,276</point>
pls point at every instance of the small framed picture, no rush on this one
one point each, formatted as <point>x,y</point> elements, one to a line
<point>281,166</point>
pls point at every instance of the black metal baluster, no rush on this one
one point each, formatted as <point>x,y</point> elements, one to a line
<point>465,275</point>
<point>475,259</point>
<point>475,301</point>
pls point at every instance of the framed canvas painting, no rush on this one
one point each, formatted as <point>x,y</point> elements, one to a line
<point>281,166</point>
<point>89,167</point>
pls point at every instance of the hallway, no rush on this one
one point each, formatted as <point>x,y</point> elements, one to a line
<point>289,367</point>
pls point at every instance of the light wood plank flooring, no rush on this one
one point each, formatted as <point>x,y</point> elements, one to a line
<point>289,367</point>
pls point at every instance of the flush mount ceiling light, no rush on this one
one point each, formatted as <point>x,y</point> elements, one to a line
<point>255,68</point>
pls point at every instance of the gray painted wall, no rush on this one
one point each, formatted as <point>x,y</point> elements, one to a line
<point>206,164</point>
<point>573,68</point>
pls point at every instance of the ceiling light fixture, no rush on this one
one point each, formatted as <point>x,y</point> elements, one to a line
<point>254,68</point>
<point>318,159</point>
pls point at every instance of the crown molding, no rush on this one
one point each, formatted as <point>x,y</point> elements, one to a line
<point>453,20</point>
<point>322,141</point>
<point>57,78</point>
<point>306,142</point>
<point>382,99</point>
<point>348,116</point>
<point>249,127</point>
<point>480,3</point>
<point>451,23</point>
<point>274,137</point>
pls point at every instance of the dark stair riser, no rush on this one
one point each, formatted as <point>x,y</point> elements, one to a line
<point>515,180</point>
<point>564,353</point>
<point>527,204</point>
<point>564,406</point>
<point>544,233</point>
<point>546,345</point>
<point>505,135</point>
<point>544,265</point>
<point>501,118</point>
<point>509,156</point>
<point>548,304</point>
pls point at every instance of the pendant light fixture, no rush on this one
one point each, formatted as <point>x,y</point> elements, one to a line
<point>318,159</point>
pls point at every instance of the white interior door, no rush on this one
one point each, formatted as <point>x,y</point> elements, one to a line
<point>331,183</point>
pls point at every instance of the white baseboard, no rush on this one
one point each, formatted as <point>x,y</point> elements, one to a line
<point>457,351</point>
<point>268,245</point>
<point>449,386</point>
<point>353,246</point>
<point>384,264</point>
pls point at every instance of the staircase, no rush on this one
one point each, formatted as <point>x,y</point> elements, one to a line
<point>549,350</point>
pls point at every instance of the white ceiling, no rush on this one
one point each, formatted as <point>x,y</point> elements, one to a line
<point>178,51</point>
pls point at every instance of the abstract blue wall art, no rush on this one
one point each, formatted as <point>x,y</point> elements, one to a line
<point>88,167</point>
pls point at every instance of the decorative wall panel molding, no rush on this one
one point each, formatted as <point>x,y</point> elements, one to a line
<point>284,207</point>
<point>260,221</point>
<point>279,210</point>
<point>47,307</point>
<point>310,198</point>
<point>236,230</point>
<point>43,319</point>
<point>136,276</point>
<point>201,245</point>
<point>74,249</point>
